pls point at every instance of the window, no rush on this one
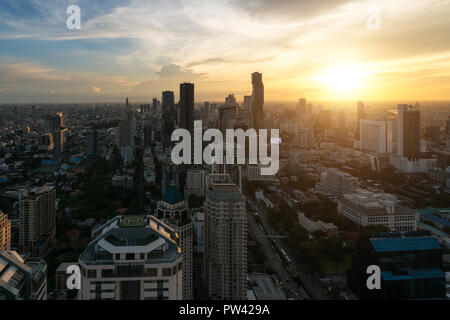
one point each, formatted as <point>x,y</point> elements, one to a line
<point>130,256</point>
<point>166,272</point>
<point>92,274</point>
<point>107,273</point>
<point>151,272</point>
<point>117,256</point>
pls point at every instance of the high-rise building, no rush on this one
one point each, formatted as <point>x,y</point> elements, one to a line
<point>174,211</point>
<point>37,219</point>
<point>22,278</point>
<point>92,142</point>
<point>55,127</point>
<point>225,240</point>
<point>230,100</point>
<point>126,135</point>
<point>376,136</point>
<point>168,103</point>
<point>187,107</point>
<point>156,105</point>
<point>132,258</point>
<point>301,107</point>
<point>359,116</point>
<point>257,101</point>
<point>5,232</point>
<point>408,124</point>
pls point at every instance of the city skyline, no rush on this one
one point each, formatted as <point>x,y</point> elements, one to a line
<point>326,50</point>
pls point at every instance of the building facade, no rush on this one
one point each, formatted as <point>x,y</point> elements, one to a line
<point>225,240</point>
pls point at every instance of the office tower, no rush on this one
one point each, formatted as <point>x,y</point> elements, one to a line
<point>257,101</point>
<point>174,211</point>
<point>126,135</point>
<point>46,142</point>
<point>338,183</point>
<point>55,127</point>
<point>92,142</point>
<point>156,105</point>
<point>408,145</point>
<point>22,279</point>
<point>366,208</point>
<point>309,109</point>
<point>225,240</point>
<point>410,264</point>
<point>5,232</point>
<point>37,219</point>
<point>227,117</point>
<point>374,136</point>
<point>359,116</point>
<point>195,183</point>
<point>301,107</point>
<point>205,114</point>
<point>148,128</point>
<point>132,258</point>
<point>187,107</point>
<point>230,100</point>
<point>168,103</point>
<point>307,140</point>
<point>248,103</point>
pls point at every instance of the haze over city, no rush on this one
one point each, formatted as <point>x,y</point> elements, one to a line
<point>326,50</point>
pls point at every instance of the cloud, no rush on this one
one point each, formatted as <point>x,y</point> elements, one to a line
<point>96,89</point>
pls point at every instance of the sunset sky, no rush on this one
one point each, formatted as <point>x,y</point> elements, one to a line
<point>321,49</point>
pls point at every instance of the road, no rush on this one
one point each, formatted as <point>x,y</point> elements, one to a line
<point>311,284</point>
<point>292,290</point>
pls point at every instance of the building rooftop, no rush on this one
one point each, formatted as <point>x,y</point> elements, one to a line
<point>413,274</point>
<point>172,195</point>
<point>404,244</point>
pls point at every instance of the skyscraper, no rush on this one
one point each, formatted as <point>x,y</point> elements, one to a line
<point>187,107</point>
<point>408,144</point>
<point>257,104</point>
<point>225,240</point>
<point>37,219</point>
<point>168,104</point>
<point>92,142</point>
<point>301,107</point>
<point>359,116</point>
<point>174,211</point>
<point>126,135</point>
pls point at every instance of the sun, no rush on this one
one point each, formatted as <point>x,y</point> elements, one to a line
<point>345,78</point>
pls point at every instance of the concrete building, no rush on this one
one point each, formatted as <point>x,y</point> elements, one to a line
<point>123,181</point>
<point>22,278</point>
<point>225,240</point>
<point>195,183</point>
<point>257,102</point>
<point>366,208</point>
<point>374,136</point>
<point>5,232</point>
<point>126,135</point>
<point>132,258</point>
<point>37,219</point>
<point>338,183</point>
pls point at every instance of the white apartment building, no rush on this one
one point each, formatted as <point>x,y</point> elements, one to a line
<point>338,183</point>
<point>366,208</point>
<point>132,258</point>
<point>225,240</point>
<point>376,136</point>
